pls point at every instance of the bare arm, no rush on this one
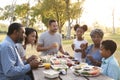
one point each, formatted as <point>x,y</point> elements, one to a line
<point>83,48</point>
<point>72,46</point>
<point>40,47</point>
<point>61,49</point>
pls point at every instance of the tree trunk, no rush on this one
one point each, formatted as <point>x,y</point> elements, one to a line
<point>68,18</point>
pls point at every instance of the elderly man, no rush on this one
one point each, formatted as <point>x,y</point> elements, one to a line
<point>11,65</point>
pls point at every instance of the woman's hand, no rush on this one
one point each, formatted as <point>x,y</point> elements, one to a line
<point>90,58</point>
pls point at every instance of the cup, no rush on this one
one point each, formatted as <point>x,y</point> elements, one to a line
<point>47,65</point>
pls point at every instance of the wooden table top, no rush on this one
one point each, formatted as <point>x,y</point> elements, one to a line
<point>39,75</point>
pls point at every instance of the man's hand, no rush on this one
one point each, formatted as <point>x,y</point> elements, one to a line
<point>33,57</point>
<point>34,64</point>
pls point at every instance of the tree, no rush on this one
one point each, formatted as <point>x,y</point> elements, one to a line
<point>6,13</point>
<point>21,12</point>
<point>56,9</point>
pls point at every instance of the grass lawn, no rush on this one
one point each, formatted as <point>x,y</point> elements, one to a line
<point>67,44</point>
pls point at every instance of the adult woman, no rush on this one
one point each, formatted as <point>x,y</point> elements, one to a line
<point>93,56</point>
<point>31,38</point>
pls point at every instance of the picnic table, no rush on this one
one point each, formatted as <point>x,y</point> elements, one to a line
<point>39,75</point>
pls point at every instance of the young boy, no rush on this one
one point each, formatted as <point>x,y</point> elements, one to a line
<point>109,65</point>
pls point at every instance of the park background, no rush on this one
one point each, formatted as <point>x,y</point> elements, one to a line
<point>102,14</point>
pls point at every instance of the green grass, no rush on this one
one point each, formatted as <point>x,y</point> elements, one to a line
<point>2,36</point>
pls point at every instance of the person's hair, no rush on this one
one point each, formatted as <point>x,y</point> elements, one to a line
<point>76,26</point>
<point>28,31</point>
<point>51,21</point>
<point>98,32</point>
<point>14,26</point>
<point>109,45</point>
<point>84,27</point>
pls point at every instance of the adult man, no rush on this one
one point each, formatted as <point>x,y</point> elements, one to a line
<point>50,42</point>
<point>11,65</point>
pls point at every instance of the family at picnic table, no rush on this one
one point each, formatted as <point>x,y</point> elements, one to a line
<point>14,65</point>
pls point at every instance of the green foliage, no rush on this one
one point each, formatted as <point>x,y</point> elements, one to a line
<point>6,13</point>
<point>21,10</point>
<point>56,9</point>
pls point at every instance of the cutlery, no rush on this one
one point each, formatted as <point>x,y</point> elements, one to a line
<point>86,77</point>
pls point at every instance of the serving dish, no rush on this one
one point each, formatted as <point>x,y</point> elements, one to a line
<point>51,73</point>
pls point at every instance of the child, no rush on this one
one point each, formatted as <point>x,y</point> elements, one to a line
<point>109,63</point>
<point>79,43</point>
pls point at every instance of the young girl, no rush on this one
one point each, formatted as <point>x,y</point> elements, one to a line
<point>79,44</point>
<point>31,38</point>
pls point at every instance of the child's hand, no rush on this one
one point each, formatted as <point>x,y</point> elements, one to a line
<point>83,46</point>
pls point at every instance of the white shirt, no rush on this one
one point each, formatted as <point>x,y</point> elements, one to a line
<point>21,50</point>
<point>77,44</point>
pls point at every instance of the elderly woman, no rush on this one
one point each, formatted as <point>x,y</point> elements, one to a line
<point>93,56</point>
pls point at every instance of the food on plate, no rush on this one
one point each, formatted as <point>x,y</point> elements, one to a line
<point>56,62</point>
<point>85,73</point>
<point>70,57</point>
<point>77,62</point>
<point>82,65</point>
<point>78,68</point>
<point>87,70</point>
<point>69,64</point>
<point>59,67</point>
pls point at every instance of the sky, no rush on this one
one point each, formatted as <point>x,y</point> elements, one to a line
<point>9,2</point>
<point>94,10</point>
<point>101,10</point>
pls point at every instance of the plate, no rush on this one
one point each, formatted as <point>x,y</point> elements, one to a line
<point>41,65</point>
<point>79,66</point>
<point>87,71</point>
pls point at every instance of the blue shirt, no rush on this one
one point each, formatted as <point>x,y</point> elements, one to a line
<point>96,55</point>
<point>111,68</point>
<point>11,65</point>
